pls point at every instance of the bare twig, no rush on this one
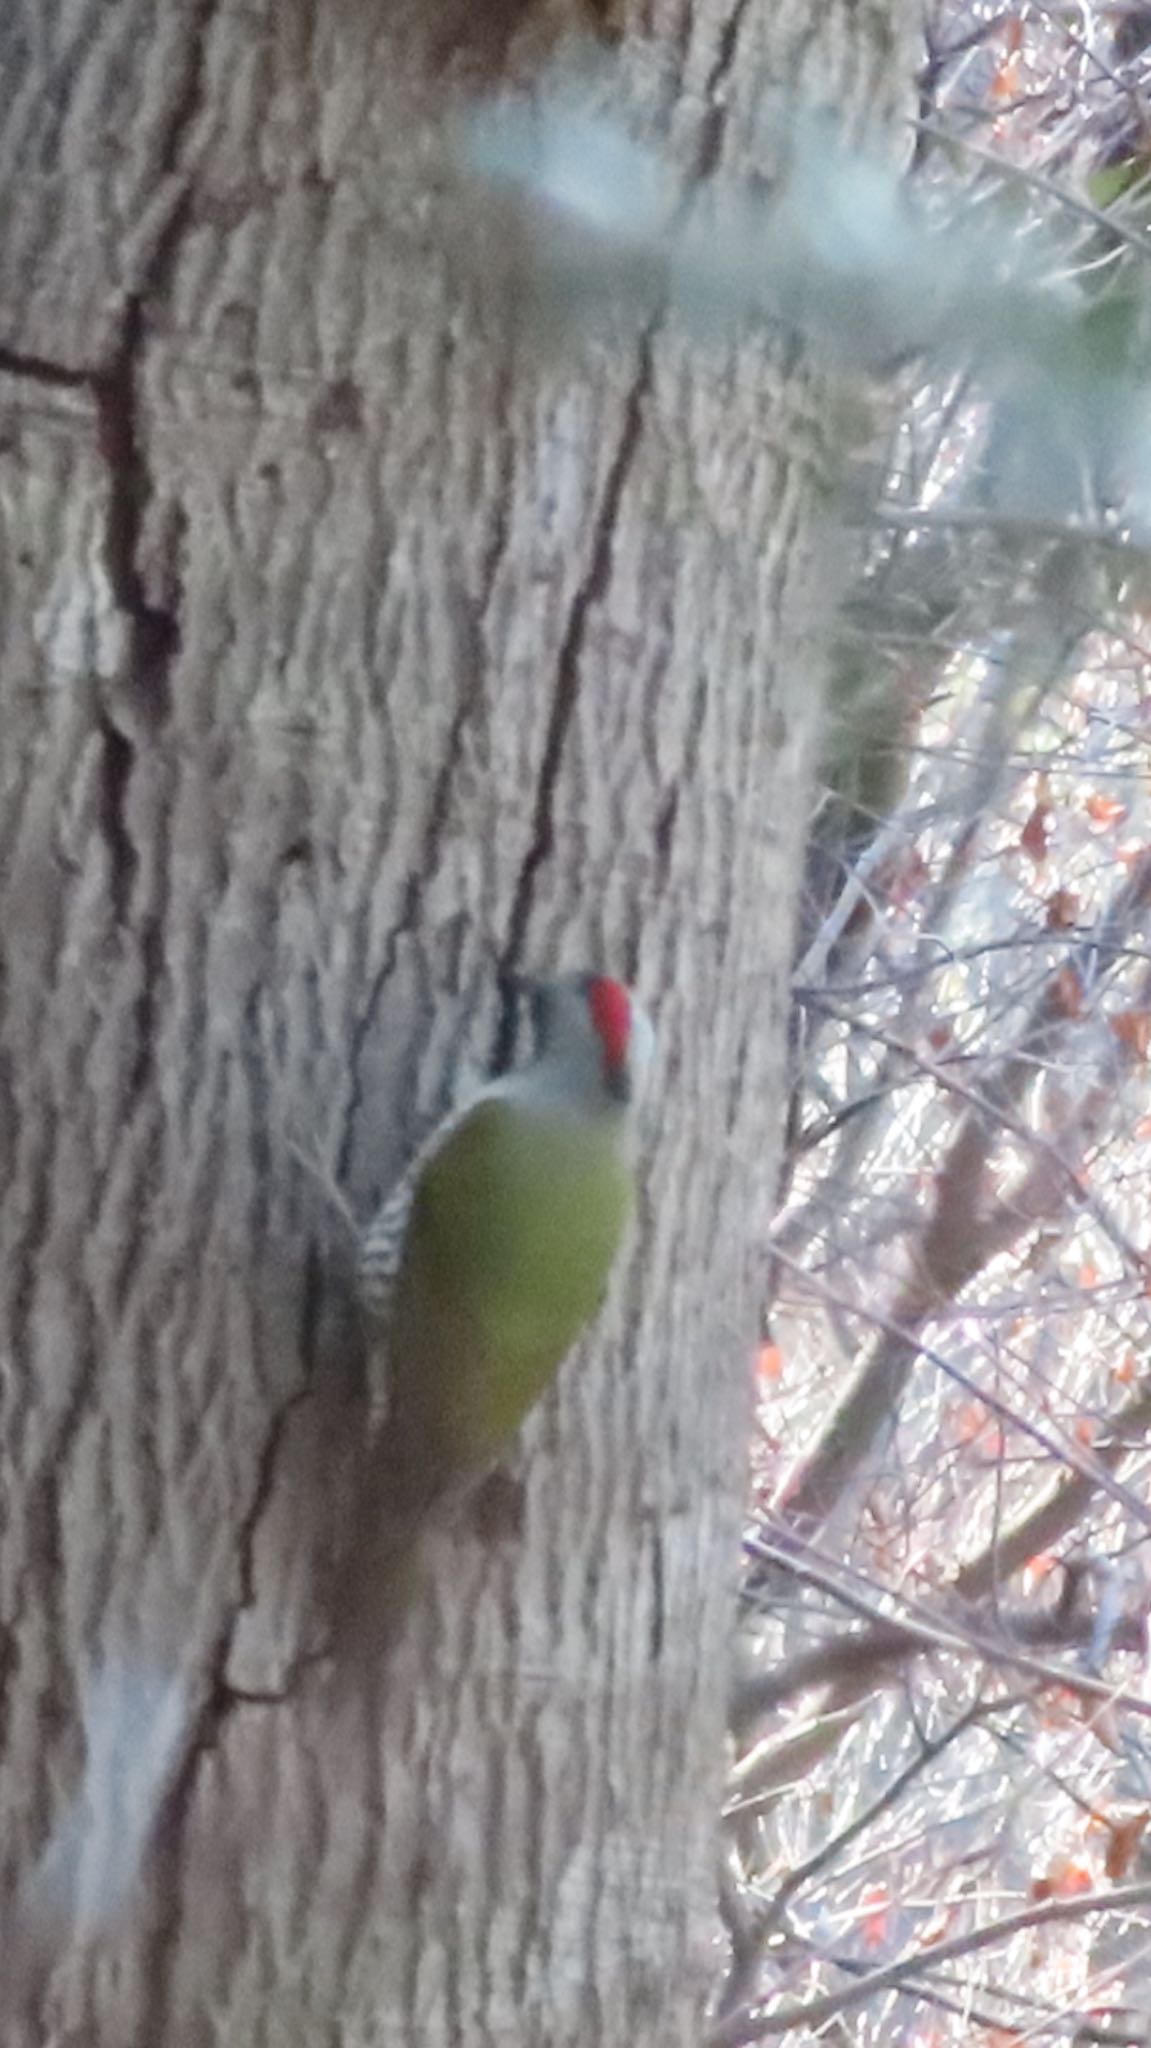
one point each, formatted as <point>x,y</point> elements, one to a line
<point>749,2025</point>
<point>960,1634</point>
<point>803,1873</point>
<point>1066,1453</point>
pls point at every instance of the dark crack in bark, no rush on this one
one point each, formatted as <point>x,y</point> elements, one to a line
<point>41,370</point>
<point>117,755</point>
<point>715,118</point>
<point>567,679</point>
<point>154,632</point>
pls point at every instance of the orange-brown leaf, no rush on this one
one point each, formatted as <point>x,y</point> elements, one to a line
<point>1038,1568</point>
<point>769,1364</point>
<point>969,1420</point>
<point>1125,1839</point>
<point>1067,989</point>
<point>1104,810</point>
<point>876,1901</point>
<point>1133,1029</point>
<point>1036,832</point>
<point>1065,1878</point>
<point>1062,910</point>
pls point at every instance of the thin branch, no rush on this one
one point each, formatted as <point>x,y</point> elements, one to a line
<point>1104,69</point>
<point>749,2025</point>
<point>963,1636</point>
<point>1048,2020</point>
<point>944,1076</point>
<point>858,1661</point>
<point>1134,238</point>
<point>801,1874</point>
<point>1053,1518</point>
<point>954,956</point>
<point>1068,1454</point>
<point>772,1768</point>
<point>1003,525</point>
<point>960,1237</point>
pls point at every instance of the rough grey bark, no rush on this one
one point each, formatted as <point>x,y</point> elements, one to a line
<point>350,648</point>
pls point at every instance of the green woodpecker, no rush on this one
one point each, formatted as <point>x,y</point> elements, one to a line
<point>492,1254</point>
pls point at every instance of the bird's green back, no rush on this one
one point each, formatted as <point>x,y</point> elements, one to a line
<point>515,1225</point>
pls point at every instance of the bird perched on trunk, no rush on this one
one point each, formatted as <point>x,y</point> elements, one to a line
<point>492,1254</point>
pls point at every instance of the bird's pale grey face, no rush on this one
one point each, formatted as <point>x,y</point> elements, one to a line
<point>592,1027</point>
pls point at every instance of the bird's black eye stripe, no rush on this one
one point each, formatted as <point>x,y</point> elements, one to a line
<point>617,1081</point>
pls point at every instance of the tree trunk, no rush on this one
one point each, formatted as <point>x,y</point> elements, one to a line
<point>354,647</point>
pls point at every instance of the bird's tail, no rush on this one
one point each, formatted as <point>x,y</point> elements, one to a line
<point>399,1499</point>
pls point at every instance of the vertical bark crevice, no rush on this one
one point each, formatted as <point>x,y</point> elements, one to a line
<point>117,755</point>
<point>117,389</point>
<point>569,658</point>
<point>715,116</point>
<point>154,631</point>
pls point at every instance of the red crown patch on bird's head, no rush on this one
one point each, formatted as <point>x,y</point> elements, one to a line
<point>610,1006</point>
<point>593,1041</point>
